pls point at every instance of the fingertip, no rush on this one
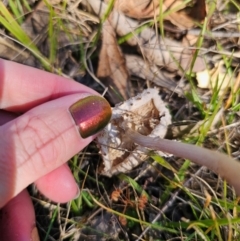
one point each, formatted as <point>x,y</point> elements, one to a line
<point>58,185</point>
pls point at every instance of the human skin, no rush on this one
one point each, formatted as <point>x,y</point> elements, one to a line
<point>38,136</point>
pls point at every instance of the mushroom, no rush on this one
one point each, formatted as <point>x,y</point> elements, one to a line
<point>141,123</point>
<point>223,165</point>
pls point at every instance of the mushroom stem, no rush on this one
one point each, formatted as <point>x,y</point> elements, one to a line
<point>223,165</point>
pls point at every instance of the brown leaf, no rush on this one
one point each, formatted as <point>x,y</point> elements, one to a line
<point>10,51</point>
<point>111,68</point>
<point>145,8</point>
<point>36,27</point>
<point>158,51</point>
<point>187,17</point>
<point>137,66</point>
<point>181,14</point>
<point>137,8</point>
<point>215,78</point>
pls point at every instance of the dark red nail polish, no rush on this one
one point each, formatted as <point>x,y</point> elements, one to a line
<point>91,114</point>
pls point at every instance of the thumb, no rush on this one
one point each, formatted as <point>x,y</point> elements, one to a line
<point>45,137</point>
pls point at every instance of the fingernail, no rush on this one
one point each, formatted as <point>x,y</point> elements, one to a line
<point>91,114</point>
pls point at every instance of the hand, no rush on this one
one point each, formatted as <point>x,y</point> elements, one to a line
<point>45,119</point>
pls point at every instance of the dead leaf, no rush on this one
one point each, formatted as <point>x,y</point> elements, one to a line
<point>215,78</point>
<point>188,16</point>
<point>141,9</point>
<point>141,68</point>
<point>99,227</point>
<point>180,13</point>
<point>158,51</point>
<point>10,51</point>
<point>112,68</point>
<point>137,8</point>
<point>36,26</point>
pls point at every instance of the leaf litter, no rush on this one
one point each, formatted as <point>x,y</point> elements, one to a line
<point>112,70</point>
<point>154,61</point>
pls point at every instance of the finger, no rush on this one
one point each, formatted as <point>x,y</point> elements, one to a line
<point>23,87</point>
<point>45,137</point>
<point>17,219</point>
<point>58,185</point>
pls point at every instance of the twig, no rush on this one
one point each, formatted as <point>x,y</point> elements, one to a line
<point>214,34</point>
